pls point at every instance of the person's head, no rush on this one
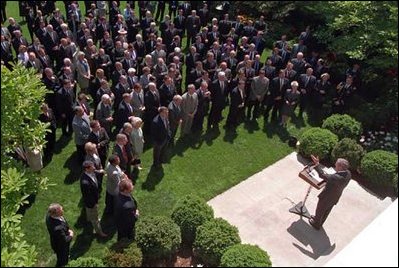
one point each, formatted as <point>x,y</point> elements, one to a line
<point>88,166</point>
<point>79,111</point>
<point>204,86</point>
<point>127,128</point>
<point>55,210</point>
<point>127,97</point>
<point>163,112</point>
<point>341,164</point>
<point>241,84</point>
<point>349,80</point>
<point>177,99</point>
<point>82,97</point>
<point>222,76</point>
<point>114,160</point>
<point>67,84</point>
<point>281,74</point>
<point>48,72</point>
<point>95,125</point>
<point>44,108</point>
<point>309,71</point>
<point>106,99</point>
<point>152,86</point>
<point>299,56</point>
<point>137,87</point>
<point>123,79</point>
<point>261,73</point>
<point>126,186</point>
<point>90,148</point>
<point>131,72</point>
<point>294,85</point>
<point>32,56</point>
<point>121,139</point>
<point>136,122</point>
<point>325,77</point>
<point>191,89</point>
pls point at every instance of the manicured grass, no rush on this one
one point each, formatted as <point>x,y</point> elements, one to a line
<point>206,166</point>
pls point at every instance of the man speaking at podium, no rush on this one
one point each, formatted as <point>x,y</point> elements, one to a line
<point>329,197</point>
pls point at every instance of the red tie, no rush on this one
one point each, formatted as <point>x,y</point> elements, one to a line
<point>124,154</point>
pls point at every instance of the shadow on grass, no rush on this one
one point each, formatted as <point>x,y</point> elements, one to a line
<point>74,169</point>
<point>251,126</point>
<point>84,239</point>
<point>230,135</point>
<point>153,178</point>
<point>61,143</point>
<point>272,128</point>
<point>211,134</point>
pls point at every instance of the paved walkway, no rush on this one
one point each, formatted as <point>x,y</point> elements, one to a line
<point>259,208</point>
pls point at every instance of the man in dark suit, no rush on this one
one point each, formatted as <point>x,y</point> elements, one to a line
<point>126,212</point>
<point>152,103</point>
<point>219,91</point>
<point>122,150</point>
<point>90,196</point>
<point>180,23</point>
<point>236,111</point>
<point>60,234</point>
<point>193,25</point>
<point>332,192</point>
<point>47,116</point>
<point>175,116</point>
<point>125,111</point>
<point>307,83</point>
<point>276,98</point>
<point>99,137</point>
<point>161,135</point>
<point>64,103</point>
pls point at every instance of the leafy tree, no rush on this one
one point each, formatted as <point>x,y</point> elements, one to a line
<point>365,31</point>
<point>22,94</point>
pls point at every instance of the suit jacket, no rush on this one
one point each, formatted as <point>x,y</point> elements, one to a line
<point>59,233</point>
<point>124,162</point>
<point>166,94</point>
<point>309,87</point>
<point>64,100</point>
<point>219,97</point>
<point>258,88</point>
<point>103,112</point>
<point>16,42</point>
<point>336,184</point>
<point>160,133</point>
<point>125,110</point>
<point>278,90</point>
<point>152,104</point>
<point>50,42</point>
<point>102,140</point>
<point>89,189</point>
<point>82,70</point>
<point>236,99</point>
<point>175,114</point>
<point>193,24</point>
<point>125,213</point>
<point>81,128</point>
<point>137,102</point>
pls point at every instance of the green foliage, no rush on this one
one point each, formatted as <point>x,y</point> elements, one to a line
<point>14,250</point>
<point>350,150</point>
<point>317,141</point>
<point>363,30</point>
<point>189,213</point>
<point>343,125</point>
<point>158,237</point>
<point>123,254</point>
<point>212,240</point>
<point>22,93</point>
<point>245,255</point>
<point>380,167</point>
<point>86,262</point>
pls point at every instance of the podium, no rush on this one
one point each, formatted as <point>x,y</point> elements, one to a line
<point>307,175</point>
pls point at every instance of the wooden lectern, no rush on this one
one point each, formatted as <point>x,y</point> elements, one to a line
<point>306,175</point>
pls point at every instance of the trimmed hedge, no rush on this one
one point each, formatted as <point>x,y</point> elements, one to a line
<point>189,213</point>
<point>158,237</point>
<point>123,254</point>
<point>245,255</point>
<point>317,141</point>
<point>86,262</point>
<point>350,150</point>
<point>380,167</point>
<point>212,240</point>
<point>343,125</point>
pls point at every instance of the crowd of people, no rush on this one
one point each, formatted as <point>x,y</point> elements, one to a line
<point>115,74</point>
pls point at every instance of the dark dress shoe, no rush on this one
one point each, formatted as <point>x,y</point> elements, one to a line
<point>311,222</point>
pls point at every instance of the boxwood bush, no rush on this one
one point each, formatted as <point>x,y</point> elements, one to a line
<point>158,237</point>
<point>350,150</point>
<point>380,167</point>
<point>189,213</point>
<point>213,238</point>
<point>86,262</point>
<point>123,254</point>
<point>317,141</point>
<point>245,255</point>
<point>343,125</point>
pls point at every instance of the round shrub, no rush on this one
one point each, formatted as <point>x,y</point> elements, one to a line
<point>158,237</point>
<point>213,238</point>
<point>189,213</point>
<point>380,167</point>
<point>123,255</point>
<point>350,150</point>
<point>245,255</point>
<point>317,141</point>
<point>86,262</point>
<point>343,125</point>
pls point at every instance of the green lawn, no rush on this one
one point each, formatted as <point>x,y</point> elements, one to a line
<point>206,166</point>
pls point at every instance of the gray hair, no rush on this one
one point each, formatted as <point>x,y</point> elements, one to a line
<point>343,163</point>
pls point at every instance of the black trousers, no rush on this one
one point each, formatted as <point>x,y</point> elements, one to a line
<point>80,150</point>
<point>109,203</point>
<point>66,123</point>
<point>159,152</point>
<point>62,257</point>
<point>124,232</point>
<point>276,105</point>
<point>251,105</point>
<point>322,212</point>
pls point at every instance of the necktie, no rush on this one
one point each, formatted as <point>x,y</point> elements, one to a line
<point>307,81</point>
<point>281,84</point>
<point>124,153</point>
<point>222,86</point>
<point>138,95</point>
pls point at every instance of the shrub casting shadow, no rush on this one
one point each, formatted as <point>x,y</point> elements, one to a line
<point>307,236</point>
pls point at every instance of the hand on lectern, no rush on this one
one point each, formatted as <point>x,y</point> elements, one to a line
<point>315,159</point>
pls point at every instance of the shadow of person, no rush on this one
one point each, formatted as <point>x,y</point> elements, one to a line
<point>273,128</point>
<point>61,143</point>
<point>84,239</point>
<point>211,134</point>
<point>153,178</point>
<point>230,135</point>
<point>251,126</point>
<point>308,236</point>
<point>74,168</point>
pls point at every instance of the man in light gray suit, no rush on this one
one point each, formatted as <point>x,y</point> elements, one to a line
<point>104,113</point>
<point>259,88</point>
<point>138,100</point>
<point>175,116</point>
<point>81,128</point>
<point>114,176</point>
<point>189,108</point>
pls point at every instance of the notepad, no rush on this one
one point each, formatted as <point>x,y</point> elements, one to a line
<point>329,171</point>
<point>315,175</point>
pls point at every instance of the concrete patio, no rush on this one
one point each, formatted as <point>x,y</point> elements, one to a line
<point>259,208</point>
